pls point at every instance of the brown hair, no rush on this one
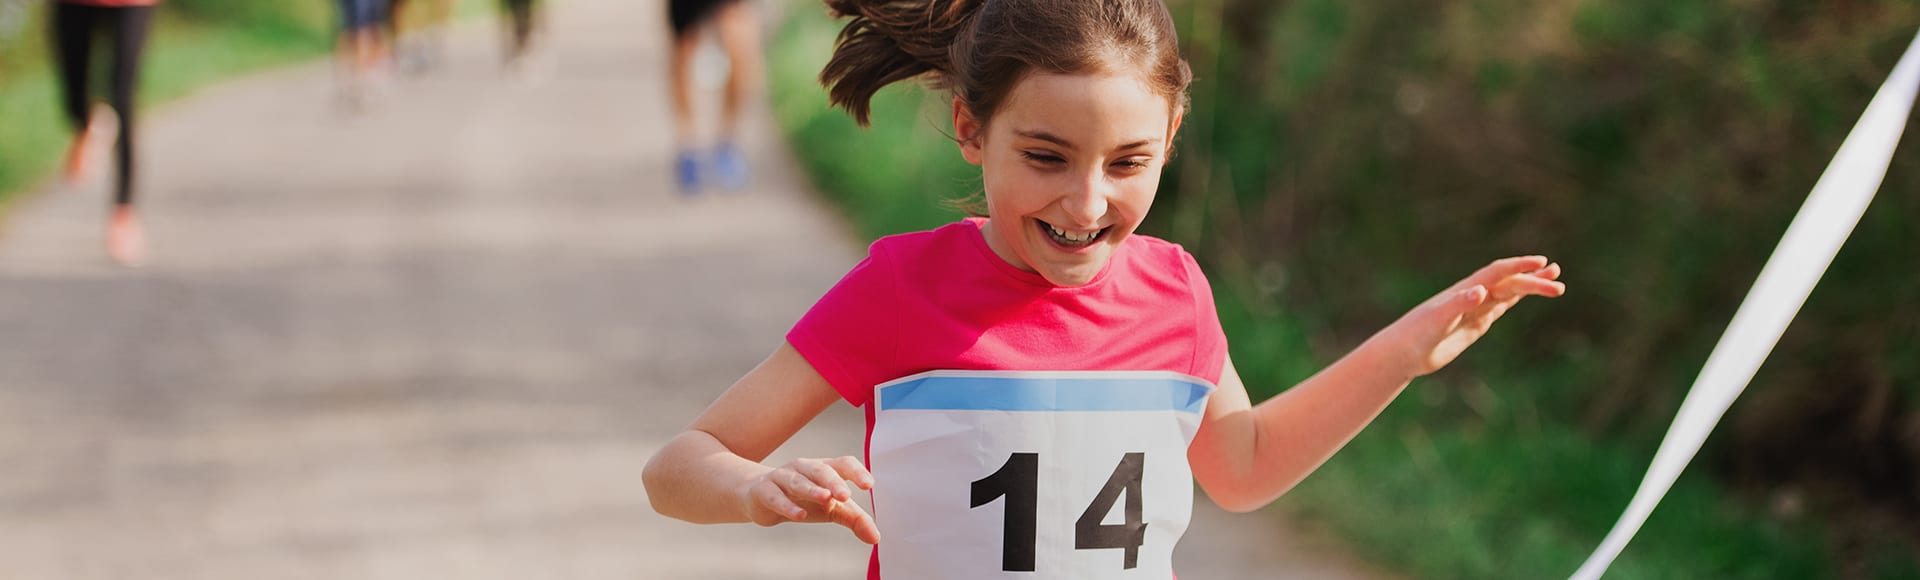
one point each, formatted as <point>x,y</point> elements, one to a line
<point>979,49</point>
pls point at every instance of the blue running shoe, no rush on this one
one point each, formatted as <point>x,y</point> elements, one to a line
<point>686,174</point>
<point>730,167</point>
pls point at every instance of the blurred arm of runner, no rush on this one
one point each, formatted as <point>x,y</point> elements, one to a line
<point>1245,456</point>
<point>711,473</point>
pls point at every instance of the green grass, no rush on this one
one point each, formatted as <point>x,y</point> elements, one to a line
<point>1466,476</point>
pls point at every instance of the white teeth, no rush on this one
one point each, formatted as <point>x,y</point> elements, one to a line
<point>1071,238</point>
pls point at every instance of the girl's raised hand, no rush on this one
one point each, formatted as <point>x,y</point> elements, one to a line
<point>812,491</point>
<point>1436,331</point>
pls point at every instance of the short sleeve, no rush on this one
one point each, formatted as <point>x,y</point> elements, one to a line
<point>848,335</point>
<point>1210,341</point>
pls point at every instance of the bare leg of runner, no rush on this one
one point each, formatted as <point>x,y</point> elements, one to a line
<point>354,52</point>
<point>739,29</point>
<point>680,69</point>
<point>401,29</point>
<point>740,37</point>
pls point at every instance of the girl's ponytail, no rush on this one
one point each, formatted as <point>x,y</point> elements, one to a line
<point>886,41</point>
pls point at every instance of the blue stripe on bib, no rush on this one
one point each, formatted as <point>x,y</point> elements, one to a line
<point>1108,391</point>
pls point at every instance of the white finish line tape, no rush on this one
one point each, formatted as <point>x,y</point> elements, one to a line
<point>1811,241</point>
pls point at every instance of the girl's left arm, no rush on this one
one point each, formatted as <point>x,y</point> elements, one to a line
<point>1245,455</point>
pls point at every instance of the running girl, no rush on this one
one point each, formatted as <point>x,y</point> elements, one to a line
<point>1043,384</point>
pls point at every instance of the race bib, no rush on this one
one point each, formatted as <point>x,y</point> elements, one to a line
<point>1070,475</point>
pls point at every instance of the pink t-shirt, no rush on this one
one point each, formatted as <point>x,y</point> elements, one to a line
<point>942,300</point>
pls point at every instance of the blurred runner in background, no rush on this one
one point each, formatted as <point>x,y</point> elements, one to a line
<point>739,34</point>
<point>522,21</point>
<point>361,50</point>
<point>125,24</point>
<point>417,32</point>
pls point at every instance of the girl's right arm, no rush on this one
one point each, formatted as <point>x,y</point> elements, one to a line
<point>711,473</point>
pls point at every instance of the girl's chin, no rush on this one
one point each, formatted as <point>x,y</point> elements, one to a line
<point>1072,275</point>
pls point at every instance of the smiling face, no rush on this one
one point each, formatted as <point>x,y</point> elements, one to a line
<point>1070,164</point>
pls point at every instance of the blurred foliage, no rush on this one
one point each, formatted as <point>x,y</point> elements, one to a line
<point>1656,147</point>
<point>1345,159</point>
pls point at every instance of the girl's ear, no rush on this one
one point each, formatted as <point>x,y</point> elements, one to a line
<point>1173,130</point>
<point>966,130</point>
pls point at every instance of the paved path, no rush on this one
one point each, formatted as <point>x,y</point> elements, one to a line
<point>435,341</point>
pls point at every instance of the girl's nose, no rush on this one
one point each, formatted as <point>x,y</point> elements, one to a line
<point>1086,204</point>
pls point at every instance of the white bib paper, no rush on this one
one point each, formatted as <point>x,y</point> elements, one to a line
<point>1057,475</point>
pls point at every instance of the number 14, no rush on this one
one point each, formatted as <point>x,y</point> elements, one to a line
<point>1019,481</point>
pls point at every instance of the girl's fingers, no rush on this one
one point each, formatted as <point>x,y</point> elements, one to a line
<point>849,514</point>
<point>824,475</point>
<point>851,469</point>
<point>800,486</point>
<point>1551,272</point>
<point>815,490</point>
<point>774,499</point>
<point>1529,285</point>
<point>1505,267</point>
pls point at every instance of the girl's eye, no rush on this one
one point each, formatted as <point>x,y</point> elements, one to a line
<point>1131,164</point>
<point>1041,157</point>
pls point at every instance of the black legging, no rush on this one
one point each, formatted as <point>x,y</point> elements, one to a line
<point>74,27</point>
